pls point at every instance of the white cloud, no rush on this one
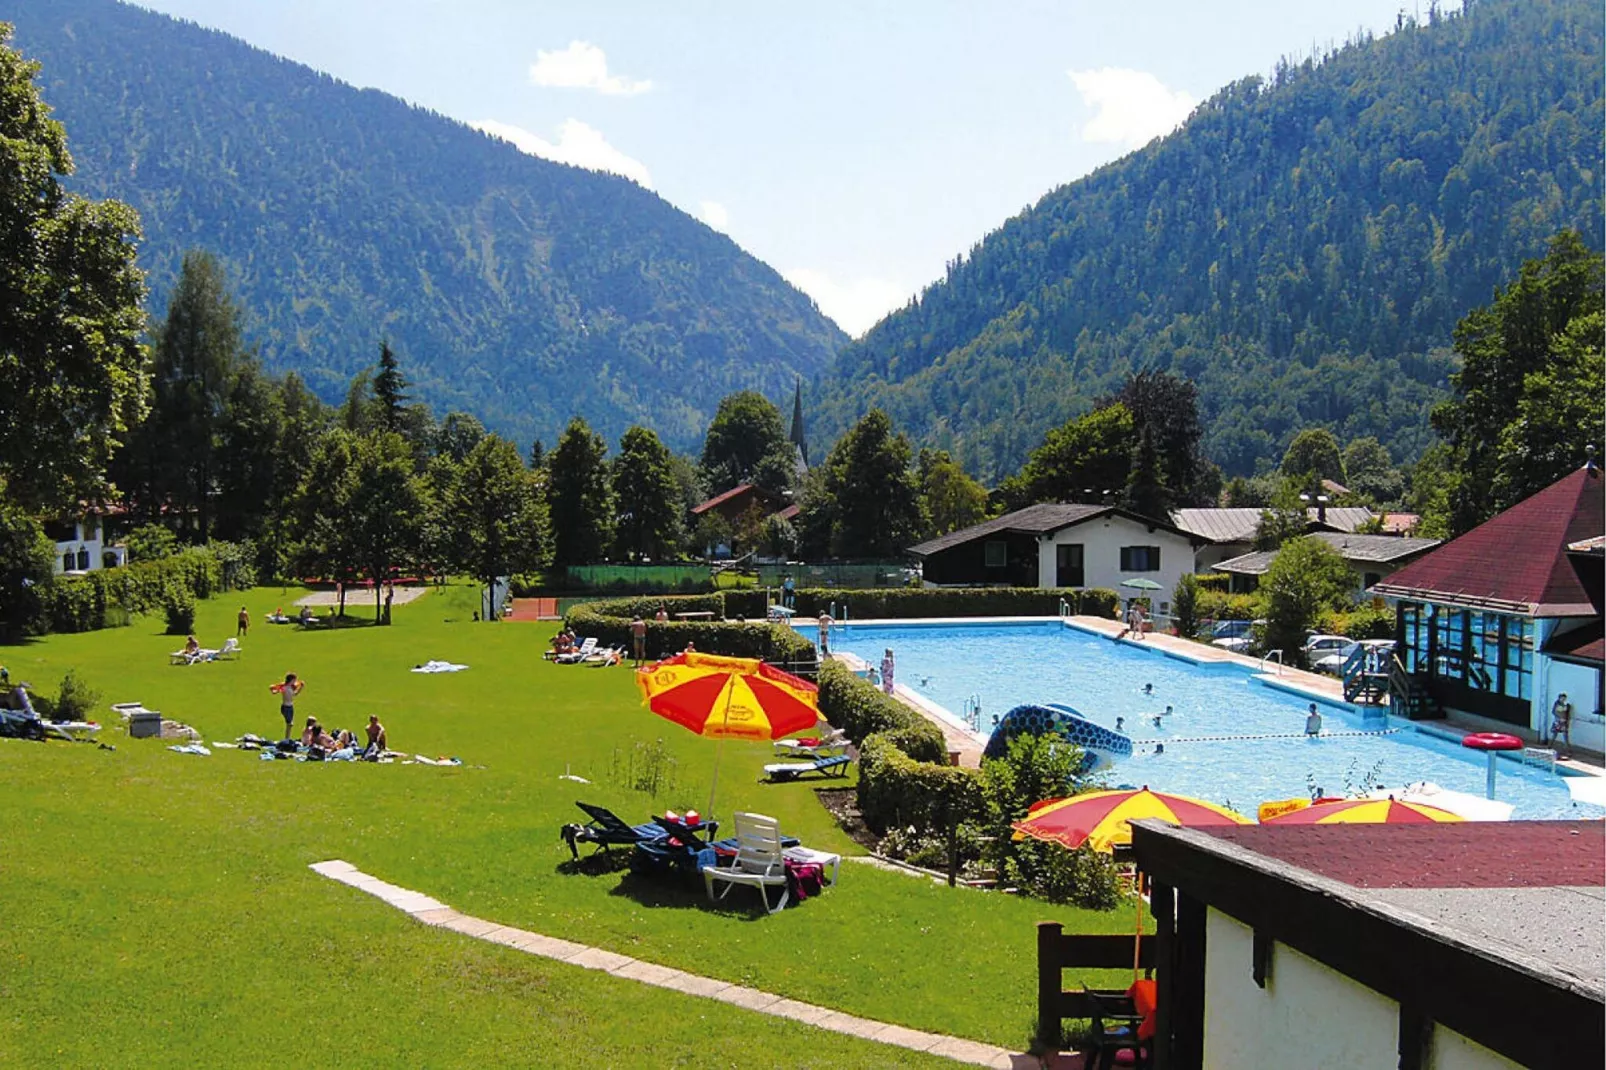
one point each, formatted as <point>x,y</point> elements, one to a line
<point>582,66</point>
<point>857,305</point>
<point>1130,108</point>
<point>577,144</point>
<point>714,214</point>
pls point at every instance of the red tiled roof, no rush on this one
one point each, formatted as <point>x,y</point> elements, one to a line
<point>721,499</point>
<point>1471,854</point>
<point>1400,523</point>
<point>1517,560</point>
<point>790,512</point>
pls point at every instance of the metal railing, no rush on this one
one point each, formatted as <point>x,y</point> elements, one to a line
<point>1268,655</point>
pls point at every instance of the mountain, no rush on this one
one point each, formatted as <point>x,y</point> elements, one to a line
<point>518,289</point>
<point>1302,248</point>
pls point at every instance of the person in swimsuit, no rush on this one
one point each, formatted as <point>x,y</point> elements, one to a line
<point>638,639</point>
<point>377,742</point>
<point>287,693</point>
<point>242,624</point>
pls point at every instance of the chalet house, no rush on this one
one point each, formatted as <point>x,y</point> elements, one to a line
<point>1062,546</point>
<point>734,505</point>
<point>82,544</point>
<point>1500,621</point>
<point>1370,558</point>
<point>1229,533</point>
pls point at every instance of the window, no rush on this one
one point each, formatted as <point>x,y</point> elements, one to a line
<point>1518,657</point>
<point>1140,559</point>
<point>995,553</point>
<point>1068,565</point>
<point>1370,580</point>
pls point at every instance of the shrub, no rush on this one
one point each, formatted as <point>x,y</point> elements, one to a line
<point>861,709</point>
<point>150,542</point>
<point>179,606</point>
<point>1212,581</point>
<point>1185,604</point>
<point>1307,579</point>
<point>609,623</point>
<point>77,700</point>
<point>1374,620</point>
<point>1219,605</point>
<point>107,597</point>
<point>895,790</point>
<point>1083,877</point>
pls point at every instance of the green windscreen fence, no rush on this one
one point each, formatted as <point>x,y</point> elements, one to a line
<point>689,578</point>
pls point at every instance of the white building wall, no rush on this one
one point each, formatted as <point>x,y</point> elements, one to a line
<point>89,538</point>
<point>1307,1015</point>
<point>1101,540</point>
<point>1582,688</point>
<point>1452,1051</point>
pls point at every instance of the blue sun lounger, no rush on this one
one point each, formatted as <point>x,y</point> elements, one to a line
<point>835,765</point>
<point>607,829</point>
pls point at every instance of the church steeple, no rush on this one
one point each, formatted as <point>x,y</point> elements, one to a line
<point>798,438</point>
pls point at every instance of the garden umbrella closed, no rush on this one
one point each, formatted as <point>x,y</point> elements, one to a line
<point>1365,812</point>
<point>728,698</point>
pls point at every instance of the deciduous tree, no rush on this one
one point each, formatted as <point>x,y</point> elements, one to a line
<point>876,498</point>
<point>649,500</point>
<point>953,500</point>
<point>746,443</point>
<point>72,370</point>
<point>496,518</point>
<point>1306,579</point>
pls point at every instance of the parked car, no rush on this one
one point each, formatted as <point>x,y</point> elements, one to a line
<point>1234,635</point>
<point>1322,650</point>
<point>1377,655</point>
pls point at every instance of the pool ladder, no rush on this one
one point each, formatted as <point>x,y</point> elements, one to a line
<point>972,713</point>
<point>1278,654</point>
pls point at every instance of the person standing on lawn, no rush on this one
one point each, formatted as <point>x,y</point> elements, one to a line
<point>287,693</point>
<point>242,624</point>
<point>638,639</point>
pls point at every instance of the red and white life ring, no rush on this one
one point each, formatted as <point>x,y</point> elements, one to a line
<point>1491,741</point>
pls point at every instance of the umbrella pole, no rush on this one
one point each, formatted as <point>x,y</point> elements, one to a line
<point>1137,940</point>
<point>730,693</point>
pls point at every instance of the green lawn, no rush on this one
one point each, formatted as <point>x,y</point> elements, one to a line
<point>158,907</point>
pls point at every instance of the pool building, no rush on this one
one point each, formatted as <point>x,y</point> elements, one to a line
<point>1496,624</point>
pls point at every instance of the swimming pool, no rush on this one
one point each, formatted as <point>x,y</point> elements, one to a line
<point>1005,665</point>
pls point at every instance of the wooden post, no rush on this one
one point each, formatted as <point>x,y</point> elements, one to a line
<point>1048,984</point>
<point>1162,904</point>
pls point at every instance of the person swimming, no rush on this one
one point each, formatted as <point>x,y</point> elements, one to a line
<point>1168,712</point>
<point>1159,749</point>
<point>1120,724</point>
<point>1157,720</point>
<point>1148,689</point>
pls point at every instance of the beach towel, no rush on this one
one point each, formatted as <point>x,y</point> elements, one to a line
<point>438,666</point>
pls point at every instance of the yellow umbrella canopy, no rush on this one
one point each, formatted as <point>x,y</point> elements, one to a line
<point>1365,812</point>
<point>729,698</point>
<point>1102,819</point>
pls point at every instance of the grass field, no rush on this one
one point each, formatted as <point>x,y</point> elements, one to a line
<point>158,908</point>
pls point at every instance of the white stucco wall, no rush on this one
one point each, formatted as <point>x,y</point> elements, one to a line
<point>1307,1015</point>
<point>1582,687</point>
<point>1452,1051</point>
<point>1101,540</point>
<point>89,535</point>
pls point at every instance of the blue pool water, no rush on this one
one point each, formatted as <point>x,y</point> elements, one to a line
<point>1006,665</point>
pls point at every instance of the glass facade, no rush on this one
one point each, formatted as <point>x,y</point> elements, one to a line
<point>1483,652</point>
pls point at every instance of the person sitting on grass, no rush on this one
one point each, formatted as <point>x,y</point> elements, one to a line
<point>377,743</point>
<point>305,617</point>
<point>309,734</point>
<point>192,649</point>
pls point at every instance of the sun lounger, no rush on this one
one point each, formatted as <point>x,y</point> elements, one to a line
<point>574,657</point>
<point>830,863</point>
<point>833,766</point>
<point>606,829</point>
<point>833,742</point>
<point>611,655</point>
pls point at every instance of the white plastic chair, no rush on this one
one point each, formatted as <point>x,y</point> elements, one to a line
<point>759,861</point>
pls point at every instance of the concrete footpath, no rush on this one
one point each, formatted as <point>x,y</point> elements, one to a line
<point>433,912</point>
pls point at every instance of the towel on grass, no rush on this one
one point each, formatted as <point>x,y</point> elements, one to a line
<point>438,666</point>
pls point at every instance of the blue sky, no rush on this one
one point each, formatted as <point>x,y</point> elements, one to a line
<point>855,147</point>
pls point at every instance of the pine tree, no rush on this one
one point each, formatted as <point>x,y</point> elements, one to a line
<point>579,498</point>
<point>390,389</point>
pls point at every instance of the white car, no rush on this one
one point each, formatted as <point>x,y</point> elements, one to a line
<point>1377,652</point>
<point>1320,650</point>
<point>1234,635</point>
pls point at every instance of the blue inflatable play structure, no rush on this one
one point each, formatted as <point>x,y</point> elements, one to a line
<point>1100,746</point>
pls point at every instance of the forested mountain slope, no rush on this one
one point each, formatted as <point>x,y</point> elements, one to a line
<point>522,290</point>
<point>1301,248</point>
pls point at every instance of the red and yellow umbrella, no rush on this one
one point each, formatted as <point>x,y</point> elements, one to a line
<point>1365,812</point>
<point>729,698</point>
<point>1102,819</point>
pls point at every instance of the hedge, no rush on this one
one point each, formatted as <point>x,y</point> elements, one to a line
<point>903,775</point>
<point>107,597</point>
<point>609,623</point>
<point>891,603</point>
